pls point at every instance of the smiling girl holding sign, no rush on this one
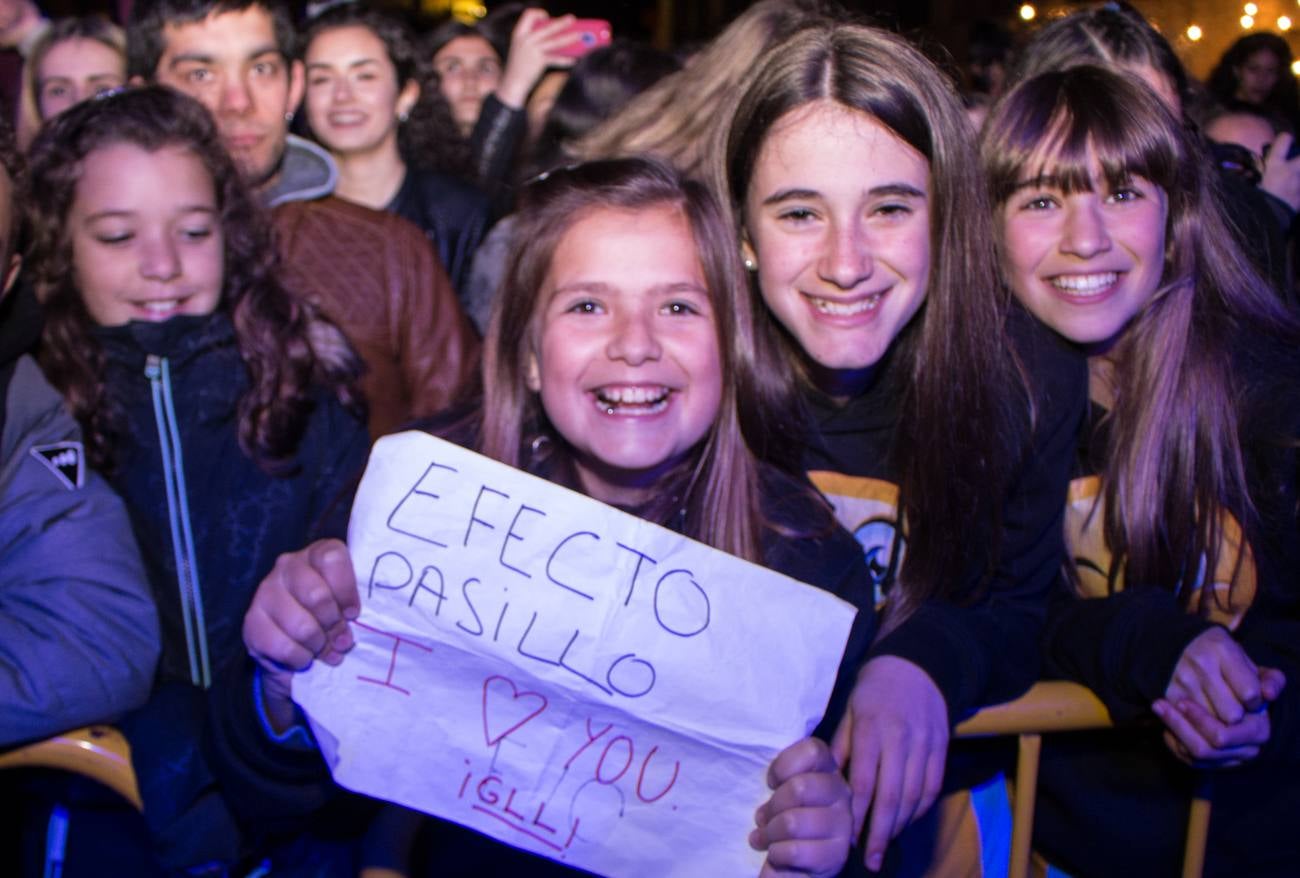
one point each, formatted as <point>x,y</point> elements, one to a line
<point>621,362</point>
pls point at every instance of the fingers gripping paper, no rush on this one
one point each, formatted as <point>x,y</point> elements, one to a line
<point>561,675</point>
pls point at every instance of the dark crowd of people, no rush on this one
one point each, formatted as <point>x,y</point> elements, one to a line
<point>1011,364</point>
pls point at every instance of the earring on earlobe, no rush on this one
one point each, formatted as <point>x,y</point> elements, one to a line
<point>288,117</point>
<point>750,265</point>
<point>402,117</point>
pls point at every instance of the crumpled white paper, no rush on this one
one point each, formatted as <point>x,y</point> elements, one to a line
<point>561,675</point>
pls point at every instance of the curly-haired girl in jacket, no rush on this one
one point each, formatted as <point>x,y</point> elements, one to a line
<point>220,408</point>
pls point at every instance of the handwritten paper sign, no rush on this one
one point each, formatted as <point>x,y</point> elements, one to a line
<point>561,675</point>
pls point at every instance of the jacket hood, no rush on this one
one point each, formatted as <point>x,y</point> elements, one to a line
<point>306,173</point>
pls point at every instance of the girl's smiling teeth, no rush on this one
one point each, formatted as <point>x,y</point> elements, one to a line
<point>836,308</point>
<point>631,399</point>
<point>346,118</point>
<point>1085,285</point>
<point>160,309</point>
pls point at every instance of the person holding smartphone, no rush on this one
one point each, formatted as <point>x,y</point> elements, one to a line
<point>538,43</point>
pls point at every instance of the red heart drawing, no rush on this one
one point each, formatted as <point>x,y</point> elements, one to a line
<point>512,709</point>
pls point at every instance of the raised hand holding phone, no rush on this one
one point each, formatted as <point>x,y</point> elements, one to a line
<point>538,42</point>
<point>587,35</point>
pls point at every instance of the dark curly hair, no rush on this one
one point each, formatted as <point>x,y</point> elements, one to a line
<point>11,160</point>
<point>429,138</point>
<point>1283,101</point>
<point>451,29</point>
<point>285,344</point>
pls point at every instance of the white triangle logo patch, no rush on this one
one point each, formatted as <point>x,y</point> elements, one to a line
<point>67,460</point>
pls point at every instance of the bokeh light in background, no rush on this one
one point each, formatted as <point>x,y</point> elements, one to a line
<point>1200,30</point>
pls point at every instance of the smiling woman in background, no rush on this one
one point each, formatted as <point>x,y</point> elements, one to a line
<point>376,107</point>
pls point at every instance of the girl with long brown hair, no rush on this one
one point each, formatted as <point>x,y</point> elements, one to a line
<point>1182,521</point>
<point>219,408</point>
<point>621,362</point>
<point>861,215</point>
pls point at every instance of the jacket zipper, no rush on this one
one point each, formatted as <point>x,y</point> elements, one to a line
<point>187,572</point>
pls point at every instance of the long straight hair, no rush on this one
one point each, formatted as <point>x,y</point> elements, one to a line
<point>962,386</point>
<point>718,489</point>
<point>1175,459</point>
<point>1112,34</point>
<point>682,118</point>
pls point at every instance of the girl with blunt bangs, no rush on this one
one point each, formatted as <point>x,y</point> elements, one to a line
<point>1174,421</point>
<point>936,411</point>
<point>1182,522</point>
<point>620,361</point>
<point>1117,37</point>
<point>221,409</point>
